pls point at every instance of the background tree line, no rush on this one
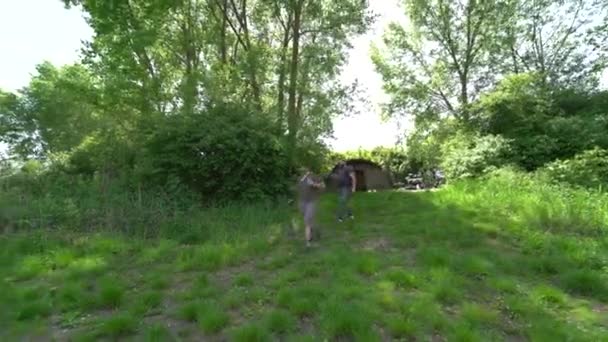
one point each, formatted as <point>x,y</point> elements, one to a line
<point>224,96</point>
<point>181,102</point>
<point>500,82</point>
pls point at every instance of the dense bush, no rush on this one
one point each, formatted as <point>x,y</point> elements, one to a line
<point>587,169</point>
<point>562,228</point>
<point>542,124</point>
<point>467,155</point>
<point>232,157</point>
<point>55,200</point>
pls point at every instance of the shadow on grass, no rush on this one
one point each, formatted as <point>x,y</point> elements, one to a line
<point>411,265</point>
<point>478,267</point>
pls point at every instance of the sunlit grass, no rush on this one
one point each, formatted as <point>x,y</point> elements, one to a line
<point>499,259</point>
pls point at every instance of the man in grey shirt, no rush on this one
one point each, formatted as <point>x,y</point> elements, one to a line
<point>310,188</point>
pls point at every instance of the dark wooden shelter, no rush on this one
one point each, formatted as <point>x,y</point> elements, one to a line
<point>370,175</point>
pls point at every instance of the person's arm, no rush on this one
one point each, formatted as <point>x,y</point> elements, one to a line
<point>311,182</point>
<point>354,181</point>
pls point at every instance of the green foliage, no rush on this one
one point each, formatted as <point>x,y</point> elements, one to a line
<point>471,156</point>
<point>280,321</point>
<point>118,325</point>
<point>587,169</point>
<point>507,254</point>
<point>225,154</point>
<point>542,124</point>
<point>54,113</point>
<point>111,293</point>
<point>449,52</point>
<point>212,318</point>
<point>440,62</point>
<point>191,96</point>
<point>567,32</point>
<point>346,320</point>
<point>250,333</point>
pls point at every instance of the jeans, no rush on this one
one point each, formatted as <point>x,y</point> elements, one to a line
<point>343,209</point>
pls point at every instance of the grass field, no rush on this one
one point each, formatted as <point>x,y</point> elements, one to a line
<point>501,260</point>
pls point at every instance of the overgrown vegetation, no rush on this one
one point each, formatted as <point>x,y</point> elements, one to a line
<point>148,194</point>
<point>511,256</point>
<point>224,97</point>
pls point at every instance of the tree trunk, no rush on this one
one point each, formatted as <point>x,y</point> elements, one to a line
<point>464,98</point>
<point>282,77</point>
<point>190,61</point>
<point>292,119</point>
<point>223,47</point>
<point>303,84</point>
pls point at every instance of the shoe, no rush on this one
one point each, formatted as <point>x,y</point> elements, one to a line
<point>340,220</point>
<point>352,217</point>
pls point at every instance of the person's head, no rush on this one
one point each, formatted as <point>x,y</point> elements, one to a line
<point>304,169</point>
<point>341,163</point>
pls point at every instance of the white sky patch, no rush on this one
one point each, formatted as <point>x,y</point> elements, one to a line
<point>367,130</point>
<point>32,31</point>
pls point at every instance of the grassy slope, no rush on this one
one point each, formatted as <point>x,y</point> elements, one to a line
<point>503,260</point>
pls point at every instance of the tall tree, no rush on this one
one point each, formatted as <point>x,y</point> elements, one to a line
<point>440,63</point>
<point>54,113</point>
<point>452,50</point>
<point>562,41</point>
<point>186,56</point>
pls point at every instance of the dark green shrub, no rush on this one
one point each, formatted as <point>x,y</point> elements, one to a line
<point>225,154</point>
<point>587,169</point>
<point>471,156</point>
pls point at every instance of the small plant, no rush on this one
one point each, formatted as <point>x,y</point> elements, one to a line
<point>30,310</point>
<point>301,301</point>
<point>243,280</point>
<point>434,256</point>
<point>118,325</point>
<point>346,320</point>
<point>111,293</point>
<point>476,314</point>
<point>157,333</point>
<point>549,295</point>
<point>280,321</point>
<point>401,278</point>
<point>367,264</point>
<point>158,282</point>
<point>72,296</point>
<point>148,301</point>
<point>189,311</point>
<point>251,332</point>
<point>399,326</point>
<point>586,283</point>
<point>212,318</point>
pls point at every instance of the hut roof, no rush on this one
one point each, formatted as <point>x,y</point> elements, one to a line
<point>359,161</point>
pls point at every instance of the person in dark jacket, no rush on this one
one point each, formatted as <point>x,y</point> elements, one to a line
<point>347,184</point>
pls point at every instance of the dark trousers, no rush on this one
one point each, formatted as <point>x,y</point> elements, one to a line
<point>344,195</point>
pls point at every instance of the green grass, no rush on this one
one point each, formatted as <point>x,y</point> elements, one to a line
<point>506,258</point>
<point>252,332</point>
<point>244,280</point>
<point>118,325</point>
<point>148,301</point>
<point>212,318</point>
<point>111,292</point>
<point>157,333</point>
<point>280,321</point>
